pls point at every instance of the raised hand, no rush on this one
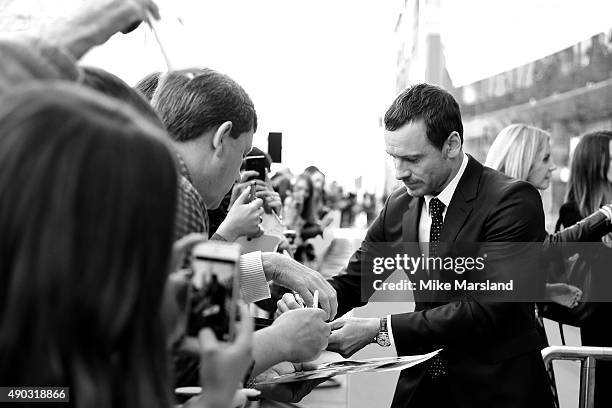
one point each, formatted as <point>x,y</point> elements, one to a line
<point>301,279</point>
<point>243,218</point>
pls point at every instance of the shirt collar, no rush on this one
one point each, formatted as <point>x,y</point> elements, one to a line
<point>447,194</point>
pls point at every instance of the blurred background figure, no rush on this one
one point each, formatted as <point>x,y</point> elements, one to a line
<point>523,152</point>
<point>300,217</point>
<point>590,187</point>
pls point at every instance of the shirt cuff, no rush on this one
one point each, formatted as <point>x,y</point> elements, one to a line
<point>391,335</point>
<point>253,283</point>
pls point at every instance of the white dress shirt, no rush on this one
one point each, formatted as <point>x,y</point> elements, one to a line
<point>425,221</point>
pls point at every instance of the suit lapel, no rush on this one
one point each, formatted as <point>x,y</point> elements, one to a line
<point>410,221</point>
<point>461,204</point>
<point>410,235</point>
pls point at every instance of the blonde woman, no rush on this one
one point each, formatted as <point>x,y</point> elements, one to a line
<point>523,152</point>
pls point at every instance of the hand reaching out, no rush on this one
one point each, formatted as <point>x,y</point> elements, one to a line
<point>243,218</point>
<point>224,365</point>
<point>287,392</point>
<point>351,334</point>
<point>95,22</point>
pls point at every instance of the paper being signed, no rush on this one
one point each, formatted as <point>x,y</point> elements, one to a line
<point>341,367</point>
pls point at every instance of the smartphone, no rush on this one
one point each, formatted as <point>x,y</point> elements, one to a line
<point>215,288</point>
<point>258,164</point>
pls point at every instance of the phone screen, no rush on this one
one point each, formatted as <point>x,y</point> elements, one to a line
<point>258,164</point>
<point>214,280</point>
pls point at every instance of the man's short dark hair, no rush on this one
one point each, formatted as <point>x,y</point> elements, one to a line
<point>195,101</point>
<point>148,84</point>
<point>435,106</point>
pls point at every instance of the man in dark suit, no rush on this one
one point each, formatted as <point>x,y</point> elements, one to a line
<point>491,354</point>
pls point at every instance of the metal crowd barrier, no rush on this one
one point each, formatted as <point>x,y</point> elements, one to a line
<point>588,357</point>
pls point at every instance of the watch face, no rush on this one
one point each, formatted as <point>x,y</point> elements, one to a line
<point>383,340</point>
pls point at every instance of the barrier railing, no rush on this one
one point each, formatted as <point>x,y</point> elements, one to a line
<point>588,357</point>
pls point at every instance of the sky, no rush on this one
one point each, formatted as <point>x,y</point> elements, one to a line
<point>321,72</point>
<point>486,37</point>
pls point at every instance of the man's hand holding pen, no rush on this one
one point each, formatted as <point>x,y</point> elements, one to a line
<point>348,334</point>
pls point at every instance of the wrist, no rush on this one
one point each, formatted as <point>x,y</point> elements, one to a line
<point>227,232</point>
<point>272,263</point>
<point>270,347</point>
<point>382,337</point>
<point>373,327</point>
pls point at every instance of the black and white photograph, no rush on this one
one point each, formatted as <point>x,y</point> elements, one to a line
<point>322,204</point>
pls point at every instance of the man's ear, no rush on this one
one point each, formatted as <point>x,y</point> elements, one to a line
<point>453,145</point>
<point>222,132</point>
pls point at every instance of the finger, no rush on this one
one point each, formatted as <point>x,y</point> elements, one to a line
<point>244,395</point>
<point>324,304</point>
<point>282,306</point>
<point>257,203</point>
<point>247,174</point>
<point>289,300</point>
<point>239,399</point>
<point>260,186</point>
<point>207,341</point>
<point>325,293</point>
<point>330,297</point>
<point>191,346</point>
<point>244,197</point>
<point>265,194</point>
<point>308,366</point>
<point>305,294</point>
<point>337,324</point>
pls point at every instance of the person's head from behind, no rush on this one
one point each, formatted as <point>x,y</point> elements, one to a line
<point>87,200</point>
<point>114,87</point>
<point>522,152</point>
<point>424,135</point>
<point>590,183</point>
<point>212,121</point>
<point>317,177</point>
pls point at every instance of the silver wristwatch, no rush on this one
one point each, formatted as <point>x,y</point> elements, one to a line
<point>382,338</point>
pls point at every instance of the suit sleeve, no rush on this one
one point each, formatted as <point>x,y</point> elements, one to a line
<point>517,217</point>
<point>348,283</point>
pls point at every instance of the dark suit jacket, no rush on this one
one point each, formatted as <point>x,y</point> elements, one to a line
<point>492,348</point>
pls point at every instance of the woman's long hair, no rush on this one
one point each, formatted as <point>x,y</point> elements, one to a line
<point>87,202</point>
<point>515,150</point>
<point>588,184</point>
<point>319,195</point>
<point>308,210</point>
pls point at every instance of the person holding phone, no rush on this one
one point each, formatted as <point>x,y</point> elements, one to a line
<point>211,120</point>
<point>85,259</point>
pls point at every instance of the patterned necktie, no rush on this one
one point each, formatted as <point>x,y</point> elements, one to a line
<point>437,365</point>
<point>436,208</point>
